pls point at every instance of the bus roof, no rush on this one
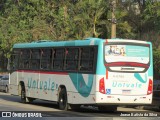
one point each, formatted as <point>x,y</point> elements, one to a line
<point>49,43</point>
<point>85,42</point>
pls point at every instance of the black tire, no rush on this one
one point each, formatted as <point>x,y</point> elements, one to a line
<point>6,89</point>
<point>62,101</point>
<point>110,108</point>
<point>23,95</point>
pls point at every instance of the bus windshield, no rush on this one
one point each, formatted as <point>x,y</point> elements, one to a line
<point>129,55</point>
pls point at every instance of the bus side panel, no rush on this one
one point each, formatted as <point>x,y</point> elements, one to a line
<point>80,88</point>
<point>85,90</point>
<point>31,80</point>
<point>48,87</point>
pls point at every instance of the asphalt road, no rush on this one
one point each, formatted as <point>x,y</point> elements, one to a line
<point>9,103</point>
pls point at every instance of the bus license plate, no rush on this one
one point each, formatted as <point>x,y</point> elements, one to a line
<point>126,92</point>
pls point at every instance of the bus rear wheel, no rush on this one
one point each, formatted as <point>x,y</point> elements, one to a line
<point>62,101</point>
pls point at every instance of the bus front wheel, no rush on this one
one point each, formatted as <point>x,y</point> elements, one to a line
<point>62,102</point>
<point>23,95</point>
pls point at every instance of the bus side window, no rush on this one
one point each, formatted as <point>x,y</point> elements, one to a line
<point>24,59</point>
<point>35,59</point>
<point>72,56</point>
<point>87,59</point>
<point>14,59</point>
<point>46,59</point>
<point>58,61</point>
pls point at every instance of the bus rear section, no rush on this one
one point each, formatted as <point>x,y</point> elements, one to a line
<point>126,76</point>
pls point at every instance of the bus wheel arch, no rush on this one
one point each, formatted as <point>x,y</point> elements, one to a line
<point>22,93</point>
<point>62,98</point>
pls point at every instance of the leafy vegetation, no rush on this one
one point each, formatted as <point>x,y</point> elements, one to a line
<point>156,64</point>
<point>29,20</point>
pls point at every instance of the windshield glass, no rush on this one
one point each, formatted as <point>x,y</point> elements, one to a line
<point>127,53</point>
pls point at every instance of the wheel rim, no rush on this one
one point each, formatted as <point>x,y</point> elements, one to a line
<point>63,101</point>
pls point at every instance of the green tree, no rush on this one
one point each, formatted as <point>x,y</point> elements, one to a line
<point>90,18</point>
<point>151,23</point>
<point>156,63</point>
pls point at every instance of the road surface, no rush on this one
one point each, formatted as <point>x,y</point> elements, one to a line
<point>9,103</point>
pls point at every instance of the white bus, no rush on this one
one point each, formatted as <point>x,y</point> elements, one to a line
<point>100,72</point>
